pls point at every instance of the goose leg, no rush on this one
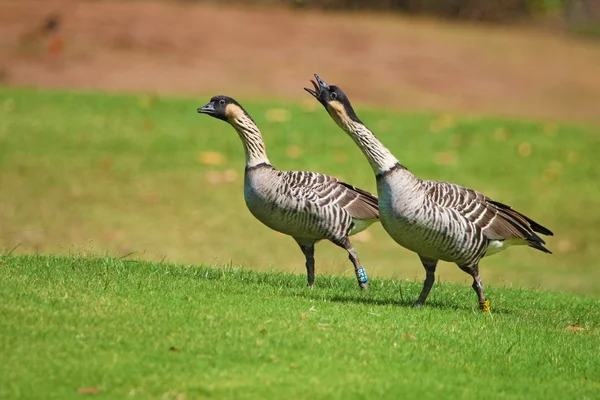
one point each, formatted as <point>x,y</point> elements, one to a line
<point>361,274</point>
<point>429,265</point>
<point>309,253</point>
<point>473,270</point>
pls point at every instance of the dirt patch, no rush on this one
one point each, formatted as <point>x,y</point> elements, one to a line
<point>197,49</point>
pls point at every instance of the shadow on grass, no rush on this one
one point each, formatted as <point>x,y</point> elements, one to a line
<point>381,293</point>
<point>387,292</point>
<point>410,303</point>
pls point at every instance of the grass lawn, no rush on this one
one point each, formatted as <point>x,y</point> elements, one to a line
<point>114,174</point>
<point>76,325</point>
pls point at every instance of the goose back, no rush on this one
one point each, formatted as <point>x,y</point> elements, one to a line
<point>307,204</point>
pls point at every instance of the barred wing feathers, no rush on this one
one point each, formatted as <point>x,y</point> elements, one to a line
<point>324,190</point>
<point>496,220</point>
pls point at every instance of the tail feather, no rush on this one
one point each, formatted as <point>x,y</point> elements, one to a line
<point>538,246</point>
<point>537,227</point>
<point>528,227</point>
<point>534,225</point>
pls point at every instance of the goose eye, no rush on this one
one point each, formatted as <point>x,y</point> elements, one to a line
<point>221,102</point>
<point>333,95</point>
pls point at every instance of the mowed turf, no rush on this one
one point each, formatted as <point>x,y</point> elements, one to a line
<point>115,174</point>
<point>73,326</point>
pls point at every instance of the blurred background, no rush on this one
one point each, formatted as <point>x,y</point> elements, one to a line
<point>535,58</point>
<point>499,95</point>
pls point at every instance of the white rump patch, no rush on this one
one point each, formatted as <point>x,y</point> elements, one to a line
<point>361,224</point>
<point>496,246</point>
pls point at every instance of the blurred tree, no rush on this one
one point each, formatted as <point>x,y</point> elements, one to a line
<point>488,10</point>
<point>580,14</point>
<point>583,16</point>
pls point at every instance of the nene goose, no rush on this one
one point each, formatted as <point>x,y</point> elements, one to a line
<point>436,220</point>
<point>308,206</point>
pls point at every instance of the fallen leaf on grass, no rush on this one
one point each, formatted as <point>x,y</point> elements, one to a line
<point>174,348</point>
<point>442,122</point>
<point>409,336</point>
<point>340,157</point>
<point>88,390</point>
<point>230,175</point>
<point>565,246</point>
<point>303,315</point>
<point>524,149</point>
<point>445,158</point>
<point>278,115</point>
<point>216,177</point>
<point>2,261</point>
<point>211,158</point>
<point>294,152</point>
<point>500,135</point>
<point>576,327</point>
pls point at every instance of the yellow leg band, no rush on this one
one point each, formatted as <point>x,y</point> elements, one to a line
<point>485,306</point>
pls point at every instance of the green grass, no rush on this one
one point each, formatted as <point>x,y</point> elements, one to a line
<point>155,330</point>
<point>100,173</point>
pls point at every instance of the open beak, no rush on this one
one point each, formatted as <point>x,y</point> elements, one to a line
<point>319,85</point>
<point>207,109</point>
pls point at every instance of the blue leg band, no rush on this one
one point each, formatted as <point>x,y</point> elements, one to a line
<point>361,274</point>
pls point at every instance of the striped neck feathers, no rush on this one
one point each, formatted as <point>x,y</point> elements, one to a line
<point>254,145</point>
<point>380,158</point>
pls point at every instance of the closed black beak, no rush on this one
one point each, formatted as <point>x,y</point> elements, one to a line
<point>207,109</point>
